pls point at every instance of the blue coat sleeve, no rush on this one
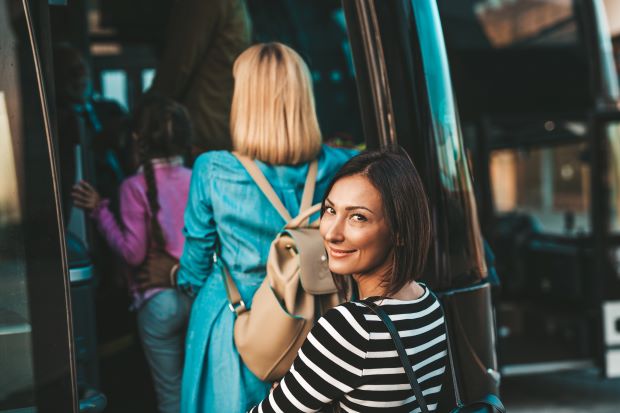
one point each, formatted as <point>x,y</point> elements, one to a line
<point>200,231</point>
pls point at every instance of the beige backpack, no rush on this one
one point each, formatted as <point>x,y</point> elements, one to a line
<point>297,290</point>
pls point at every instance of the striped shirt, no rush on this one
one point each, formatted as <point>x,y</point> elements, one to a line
<point>350,358</point>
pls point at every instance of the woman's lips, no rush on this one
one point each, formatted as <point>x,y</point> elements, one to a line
<point>338,253</point>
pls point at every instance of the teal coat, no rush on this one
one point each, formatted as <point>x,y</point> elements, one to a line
<point>228,216</point>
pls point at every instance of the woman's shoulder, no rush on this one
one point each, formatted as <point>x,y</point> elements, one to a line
<point>213,158</point>
<point>346,318</point>
<point>220,164</point>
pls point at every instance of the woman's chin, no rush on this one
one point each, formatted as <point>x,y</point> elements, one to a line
<point>339,274</point>
<point>339,270</point>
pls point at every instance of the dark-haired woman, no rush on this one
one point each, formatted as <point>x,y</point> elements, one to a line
<point>376,227</point>
<point>152,203</point>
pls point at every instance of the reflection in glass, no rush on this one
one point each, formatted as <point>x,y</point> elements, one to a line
<point>9,197</point>
<point>16,378</point>
<point>147,78</point>
<point>508,22</point>
<point>613,145</point>
<point>551,184</point>
<point>463,241</point>
<point>114,86</point>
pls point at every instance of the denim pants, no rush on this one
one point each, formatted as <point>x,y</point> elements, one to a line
<point>162,324</point>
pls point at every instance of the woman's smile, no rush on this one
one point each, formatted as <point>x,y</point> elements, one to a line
<point>336,253</point>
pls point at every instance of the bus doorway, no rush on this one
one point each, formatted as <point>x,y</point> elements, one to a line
<point>391,80</point>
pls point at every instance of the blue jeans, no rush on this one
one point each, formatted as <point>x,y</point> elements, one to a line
<point>162,323</point>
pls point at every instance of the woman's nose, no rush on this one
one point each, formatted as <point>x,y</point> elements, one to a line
<point>334,232</point>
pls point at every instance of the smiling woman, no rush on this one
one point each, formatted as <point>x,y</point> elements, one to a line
<point>376,227</point>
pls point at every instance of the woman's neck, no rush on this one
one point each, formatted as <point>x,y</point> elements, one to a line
<point>371,286</point>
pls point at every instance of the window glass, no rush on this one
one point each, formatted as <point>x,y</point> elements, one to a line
<point>509,23</point>
<point>613,151</point>
<point>16,380</point>
<point>114,86</point>
<point>551,184</point>
<point>147,78</point>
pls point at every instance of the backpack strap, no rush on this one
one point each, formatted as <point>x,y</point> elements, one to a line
<point>235,302</point>
<point>402,353</point>
<point>308,195</point>
<point>263,184</point>
<point>303,217</point>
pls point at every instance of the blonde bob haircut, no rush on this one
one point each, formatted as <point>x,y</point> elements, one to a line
<point>273,118</point>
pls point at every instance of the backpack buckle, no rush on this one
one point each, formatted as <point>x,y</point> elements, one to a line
<point>237,308</point>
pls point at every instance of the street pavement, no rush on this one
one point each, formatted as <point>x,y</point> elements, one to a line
<point>566,392</point>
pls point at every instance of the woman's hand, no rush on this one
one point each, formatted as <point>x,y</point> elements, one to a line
<point>85,196</point>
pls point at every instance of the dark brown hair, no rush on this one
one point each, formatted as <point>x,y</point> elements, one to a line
<point>405,206</point>
<point>163,130</point>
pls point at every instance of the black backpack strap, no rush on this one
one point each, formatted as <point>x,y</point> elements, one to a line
<point>402,353</point>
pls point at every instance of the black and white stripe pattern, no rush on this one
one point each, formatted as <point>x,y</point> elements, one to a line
<point>349,357</point>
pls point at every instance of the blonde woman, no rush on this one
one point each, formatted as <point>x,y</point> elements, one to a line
<point>273,121</point>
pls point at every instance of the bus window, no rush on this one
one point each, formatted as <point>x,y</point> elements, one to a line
<point>16,381</point>
<point>521,48</point>
<point>147,78</point>
<point>114,86</point>
<point>515,23</point>
<point>613,153</point>
<point>550,184</point>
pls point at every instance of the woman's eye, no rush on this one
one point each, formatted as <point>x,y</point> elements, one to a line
<point>330,210</point>
<point>359,218</point>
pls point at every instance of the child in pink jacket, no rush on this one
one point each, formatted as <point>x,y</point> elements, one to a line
<point>152,203</point>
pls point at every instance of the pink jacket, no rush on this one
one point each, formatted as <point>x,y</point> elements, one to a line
<point>131,240</point>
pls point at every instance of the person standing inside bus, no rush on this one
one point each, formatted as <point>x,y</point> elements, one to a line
<point>203,39</point>
<point>151,207</point>
<point>273,121</point>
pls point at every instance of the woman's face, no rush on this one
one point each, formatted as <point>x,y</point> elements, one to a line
<point>354,228</point>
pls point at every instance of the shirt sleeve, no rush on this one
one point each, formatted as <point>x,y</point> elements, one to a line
<point>200,231</point>
<point>328,366</point>
<point>130,241</point>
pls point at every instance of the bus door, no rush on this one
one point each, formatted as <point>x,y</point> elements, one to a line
<point>36,343</point>
<point>538,94</point>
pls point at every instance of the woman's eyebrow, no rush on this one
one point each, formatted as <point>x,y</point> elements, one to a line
<point>350,208</point>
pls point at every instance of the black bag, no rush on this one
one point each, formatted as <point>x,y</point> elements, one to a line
<point>489,403</point>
